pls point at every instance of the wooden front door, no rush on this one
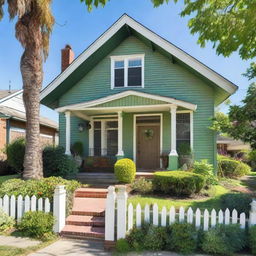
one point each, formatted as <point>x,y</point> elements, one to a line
<point>148,146</point>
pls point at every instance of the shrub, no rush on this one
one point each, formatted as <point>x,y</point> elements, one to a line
<point>205,169</point>
<point>136,237</point>
<point>6,222</point>
<point>155,238</point>
<point>125,170</point>
<point>142,186</point>
<point>182,237</point>
<point>36,224</point>
<point>57,163</point>
<point>252,239</point>
<point>15,152</point>
<point>224,239</point>
<point>231,168</point>
<point>239,201</point>
<point>40,188</point>
<point>77,148</point>
<point>178,182</point>
<point>252,159</point>
<point>122,246</point>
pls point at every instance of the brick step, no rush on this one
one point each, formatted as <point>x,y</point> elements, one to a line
<point>91,192</point>
<point>80,220</point>
<point>88,213</point>
<point>83,232</point>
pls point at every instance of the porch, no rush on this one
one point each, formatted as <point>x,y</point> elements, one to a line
<point>144,127</point>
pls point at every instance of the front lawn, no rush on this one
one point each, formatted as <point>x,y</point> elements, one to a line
<point>212,201</point>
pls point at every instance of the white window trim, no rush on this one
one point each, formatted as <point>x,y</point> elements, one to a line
<point>103,132</point>
<point>191,126</point>
<point>126,59</point>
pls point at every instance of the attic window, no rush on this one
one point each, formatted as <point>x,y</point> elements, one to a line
<point>127,71</point>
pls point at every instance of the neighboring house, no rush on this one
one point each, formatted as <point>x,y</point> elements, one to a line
<point>13,120</point>
<point>133,94</point>
<point>229,146</point>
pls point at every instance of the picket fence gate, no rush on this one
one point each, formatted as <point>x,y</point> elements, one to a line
<point>16,207</point>
<point>120,217</point>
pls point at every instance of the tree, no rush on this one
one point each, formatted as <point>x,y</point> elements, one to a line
<point>240,123</point>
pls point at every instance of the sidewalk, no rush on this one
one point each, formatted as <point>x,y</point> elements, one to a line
<point>19,242</point>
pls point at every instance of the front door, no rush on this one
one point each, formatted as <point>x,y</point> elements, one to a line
<point>148,146</point>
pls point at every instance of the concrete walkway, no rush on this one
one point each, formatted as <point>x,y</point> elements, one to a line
<point>72,248</point>
<point>19,242</point>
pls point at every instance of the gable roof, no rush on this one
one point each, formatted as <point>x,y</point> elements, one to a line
<point>124,25</point>
<point>7,94</point>
<point>94,103</point>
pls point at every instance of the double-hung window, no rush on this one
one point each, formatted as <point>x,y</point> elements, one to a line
<point>127,71</point>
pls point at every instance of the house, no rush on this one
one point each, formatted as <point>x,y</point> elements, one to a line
<point>13,120</point>
<point>133,94</point>
<point>229,146</point>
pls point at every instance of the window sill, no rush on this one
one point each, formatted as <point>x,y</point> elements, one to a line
<point>128,87</point>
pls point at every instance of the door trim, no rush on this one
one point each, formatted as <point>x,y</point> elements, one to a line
<point>135,134</point>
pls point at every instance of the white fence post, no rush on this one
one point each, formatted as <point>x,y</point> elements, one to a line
<point>121,211</point>
<point>110,214</point>
<point>59,208</point>
<point>252,218</point>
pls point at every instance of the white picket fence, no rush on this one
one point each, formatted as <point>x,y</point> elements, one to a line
<point>16,207</point>
<point>120,217</point>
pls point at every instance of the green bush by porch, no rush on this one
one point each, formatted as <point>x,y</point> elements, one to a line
<point>125,170</point>
<point>178,182</point>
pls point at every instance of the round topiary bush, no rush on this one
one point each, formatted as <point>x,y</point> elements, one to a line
<point>125,170</point>
<point>178,182</point>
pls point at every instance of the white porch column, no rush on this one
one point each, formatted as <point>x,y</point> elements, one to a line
<point>67,115</point>
<point>103,138</point>
<point>173,156</point>
<point>120,152</point>
<point>91,138</point>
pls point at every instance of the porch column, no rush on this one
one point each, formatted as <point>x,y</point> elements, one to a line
<point>91,138</point>
<point>103,138</point>
<point>120,153</point>
<point>173,156</point>
<point>67,115</point>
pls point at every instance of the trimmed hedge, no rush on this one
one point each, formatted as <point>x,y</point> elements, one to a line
<point>228,167</point>
<point>125,170</point>
<point>178,182</point>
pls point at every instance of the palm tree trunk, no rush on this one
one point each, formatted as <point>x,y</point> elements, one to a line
<point>32,75</point>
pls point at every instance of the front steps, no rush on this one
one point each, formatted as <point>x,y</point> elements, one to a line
<point>87,219</point>
<point>99,179</point>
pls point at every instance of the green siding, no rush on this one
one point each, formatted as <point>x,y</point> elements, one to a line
<point>131,101</point>
<point>162,77</point>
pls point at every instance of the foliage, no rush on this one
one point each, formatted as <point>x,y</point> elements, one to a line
<point>155,238</point>
<point>252,239</point>
<point>125,170</point>
<point>40,188</point>
<point>136,237</point>
<point>205,169</point>
<point>224,239</point>
<point>122,246</point>
<point>184,149</point>
<point>182,238</point>
<point>77,148</point>
<point>220,123</point>
<point>6,222</point>
<point>142,186</point>
<point>57,163</point>
<point>231,168</point>
<point>178,182</point>
<point>252,159</point>
<point>36,224</point>
<point>239,201</point>
<point>15,152</point>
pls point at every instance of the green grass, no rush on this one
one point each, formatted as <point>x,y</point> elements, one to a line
<point>8,177</point>
<point>213,201</point>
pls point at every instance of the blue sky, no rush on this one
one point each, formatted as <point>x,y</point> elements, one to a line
<point>79,28</point>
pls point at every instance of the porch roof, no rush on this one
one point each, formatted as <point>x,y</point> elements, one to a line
<point>128,101</point>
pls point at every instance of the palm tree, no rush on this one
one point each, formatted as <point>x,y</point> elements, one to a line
<point>33,29</point>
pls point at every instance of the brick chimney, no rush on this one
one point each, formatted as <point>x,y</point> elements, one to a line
<point>67,57</point>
